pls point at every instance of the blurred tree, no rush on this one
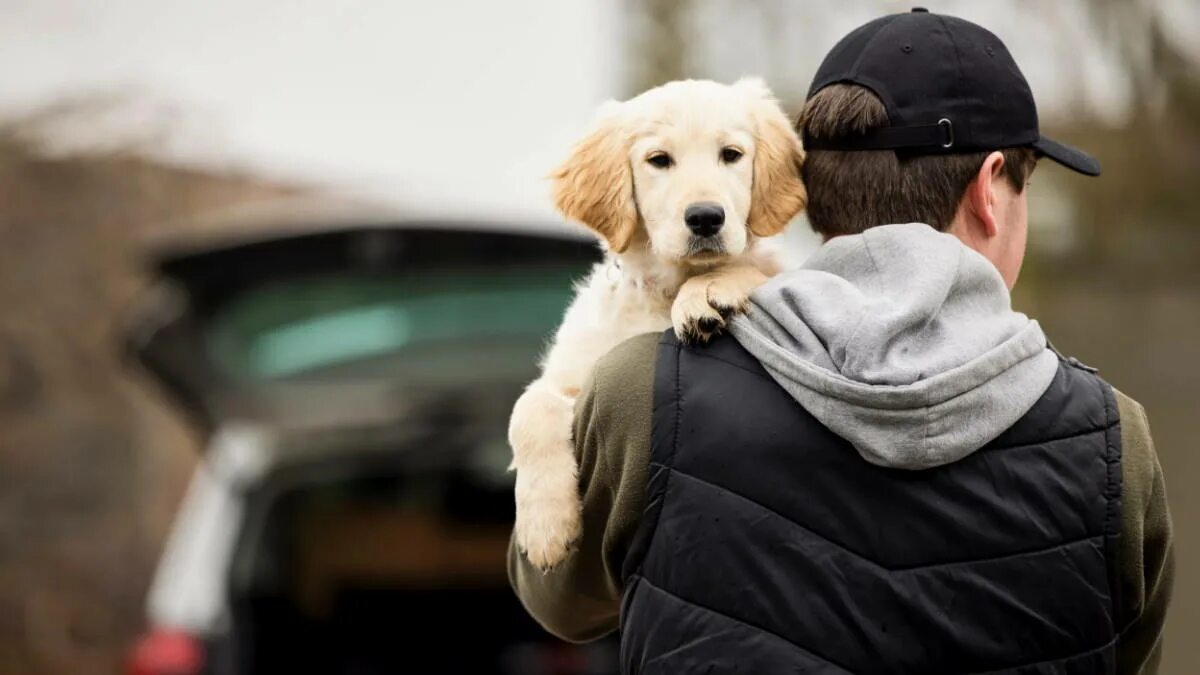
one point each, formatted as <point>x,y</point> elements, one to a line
<point>1141,220</point>
<point>658,46</point>
<point>91,466</point>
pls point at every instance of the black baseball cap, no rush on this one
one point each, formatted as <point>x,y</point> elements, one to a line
<point>948,85</point>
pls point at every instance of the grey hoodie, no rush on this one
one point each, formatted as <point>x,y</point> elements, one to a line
<point>903,341</point>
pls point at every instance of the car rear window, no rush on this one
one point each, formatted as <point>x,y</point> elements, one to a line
<point>399,324</point>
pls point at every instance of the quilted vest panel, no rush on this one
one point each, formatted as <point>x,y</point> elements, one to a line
<point>770,546</point>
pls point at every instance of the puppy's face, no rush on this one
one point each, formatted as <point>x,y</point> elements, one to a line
<point>692,157</point>
<point>691,170</point>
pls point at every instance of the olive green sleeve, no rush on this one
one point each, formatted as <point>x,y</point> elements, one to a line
<point>1146,553</point>
<point>579,600</point>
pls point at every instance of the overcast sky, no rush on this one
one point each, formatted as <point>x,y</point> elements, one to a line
<point>399,99</point>
<point>448,105</point>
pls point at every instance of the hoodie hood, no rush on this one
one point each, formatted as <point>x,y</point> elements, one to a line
<point>903,341</point>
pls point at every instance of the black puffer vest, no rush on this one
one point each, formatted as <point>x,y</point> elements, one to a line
<point>770,546</point>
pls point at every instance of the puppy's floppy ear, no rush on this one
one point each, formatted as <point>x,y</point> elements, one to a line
<point>595,185</point>
<point>777,193</point>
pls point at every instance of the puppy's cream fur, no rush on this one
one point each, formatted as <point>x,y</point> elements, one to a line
<point>656,274</point>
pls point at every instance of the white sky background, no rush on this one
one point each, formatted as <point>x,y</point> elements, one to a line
<point>449,106</point>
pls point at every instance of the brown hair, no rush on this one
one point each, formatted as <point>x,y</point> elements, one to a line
<point>850,191</point>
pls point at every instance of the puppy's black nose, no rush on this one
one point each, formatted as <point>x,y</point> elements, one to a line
<point>704,219</point>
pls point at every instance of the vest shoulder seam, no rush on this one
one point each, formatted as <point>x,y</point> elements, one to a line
<point>1112,496</point>
<point>644,535</point>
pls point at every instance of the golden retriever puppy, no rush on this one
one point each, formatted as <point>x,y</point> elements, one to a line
<point>681,183</point>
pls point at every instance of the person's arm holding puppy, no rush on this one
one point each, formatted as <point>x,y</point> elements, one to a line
<point>579,599</point>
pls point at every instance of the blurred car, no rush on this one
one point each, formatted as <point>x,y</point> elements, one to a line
<point>352,509</point>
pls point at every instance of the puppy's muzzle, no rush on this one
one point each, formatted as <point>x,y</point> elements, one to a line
<point>704,219</point>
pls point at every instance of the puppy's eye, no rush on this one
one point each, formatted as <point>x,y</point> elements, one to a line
<point>730,154</point>
<point>661,160</point>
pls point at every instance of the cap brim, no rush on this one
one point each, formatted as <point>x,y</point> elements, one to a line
<point>1076,160</point>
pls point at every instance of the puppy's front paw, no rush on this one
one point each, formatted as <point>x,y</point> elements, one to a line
<point>693,316</point>
<point>549,519</point>
<point>706,302</point>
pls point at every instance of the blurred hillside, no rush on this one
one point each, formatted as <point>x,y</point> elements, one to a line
<point>91,465</point>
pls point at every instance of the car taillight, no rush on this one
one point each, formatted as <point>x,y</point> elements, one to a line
<point>166,652</point>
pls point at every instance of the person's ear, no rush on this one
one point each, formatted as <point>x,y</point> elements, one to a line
<point>595,185</point>
<point>981,193</point>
